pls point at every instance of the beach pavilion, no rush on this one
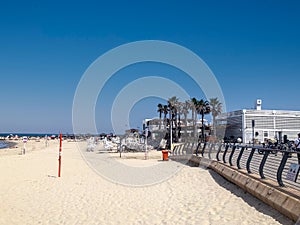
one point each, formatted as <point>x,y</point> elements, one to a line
<point>259,125</point>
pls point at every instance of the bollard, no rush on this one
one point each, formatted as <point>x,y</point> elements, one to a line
<point>59,156</point>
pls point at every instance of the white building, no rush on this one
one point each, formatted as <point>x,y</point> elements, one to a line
<point>268,124</point>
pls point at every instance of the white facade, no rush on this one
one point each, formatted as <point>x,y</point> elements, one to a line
<point>269,124</point>
<point>153,124</point>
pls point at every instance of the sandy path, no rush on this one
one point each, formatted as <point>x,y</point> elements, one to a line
<point>31,193</point>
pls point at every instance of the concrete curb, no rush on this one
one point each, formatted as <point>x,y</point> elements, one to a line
<point>269,194</point>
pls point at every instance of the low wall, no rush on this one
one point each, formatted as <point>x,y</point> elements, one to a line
<point>287,204</point>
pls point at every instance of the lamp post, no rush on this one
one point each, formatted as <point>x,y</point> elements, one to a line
<point>171,135</point>
<point>146,136</point>
<point>253,125</point>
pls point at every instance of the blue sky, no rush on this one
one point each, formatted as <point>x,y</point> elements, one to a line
<point>252,47</point>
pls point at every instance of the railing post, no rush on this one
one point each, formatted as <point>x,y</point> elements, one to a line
<point>179,149</point>
<point>249,160</point>
<point>262,164</point>
<point>175,150</point>
<point>231,155</point>
<point>212,146</point>
<point>183,147</point>
<point>219,150</point>
<point>225,151</point>
<point>298,156</point>
<point>204,146</point>
<point>191,148</point>
<point>188,148</point>
<point>238,161</point>
<point>197,149</point>
<point>281,167</point>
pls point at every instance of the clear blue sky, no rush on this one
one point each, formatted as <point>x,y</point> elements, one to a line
<point>252,47</point>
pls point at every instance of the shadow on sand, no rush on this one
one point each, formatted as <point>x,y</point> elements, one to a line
<point>248,198</point>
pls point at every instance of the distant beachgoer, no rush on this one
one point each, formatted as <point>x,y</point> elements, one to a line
<point>297,146</point>
<point>46,141</point>
<point>297,143</point>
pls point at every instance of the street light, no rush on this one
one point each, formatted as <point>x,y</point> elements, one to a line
<point>171,137</point>
<point>253,125</point>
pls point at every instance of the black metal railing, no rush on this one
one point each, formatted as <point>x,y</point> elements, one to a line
<point>268,163</point>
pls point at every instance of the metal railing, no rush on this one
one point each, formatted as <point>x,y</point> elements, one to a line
<point>268,163</point>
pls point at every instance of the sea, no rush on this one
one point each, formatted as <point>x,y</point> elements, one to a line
<point>26,134</point>
<point>6,144</point>
<point>3,144</point>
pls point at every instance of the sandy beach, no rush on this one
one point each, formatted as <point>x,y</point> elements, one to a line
<point>31,193</point>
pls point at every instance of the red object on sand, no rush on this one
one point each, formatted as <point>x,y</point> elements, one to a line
<point>165,154</point>
<point>59,157</point>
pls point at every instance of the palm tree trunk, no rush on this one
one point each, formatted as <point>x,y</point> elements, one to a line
<point>159,127</point>
<point>202,128</point>
<point>195,125</point>
<point>214,126</point>
<point>185,127</point>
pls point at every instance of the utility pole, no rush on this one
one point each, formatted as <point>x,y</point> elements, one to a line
<point>253,125</point>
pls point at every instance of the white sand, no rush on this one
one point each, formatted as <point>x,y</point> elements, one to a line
<point>31,193</point>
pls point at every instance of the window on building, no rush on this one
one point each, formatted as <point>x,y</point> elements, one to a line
<point>266,134</point>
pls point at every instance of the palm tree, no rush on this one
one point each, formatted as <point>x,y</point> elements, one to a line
<point>185,112</point>
<point>172,105</point>
<point>216,109</point>
<point>165,111</point>
<point>179,108</point>
<point>202,108</point>
<point>160,110</point>
<point>193,104</point>
<point>189,105</point>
